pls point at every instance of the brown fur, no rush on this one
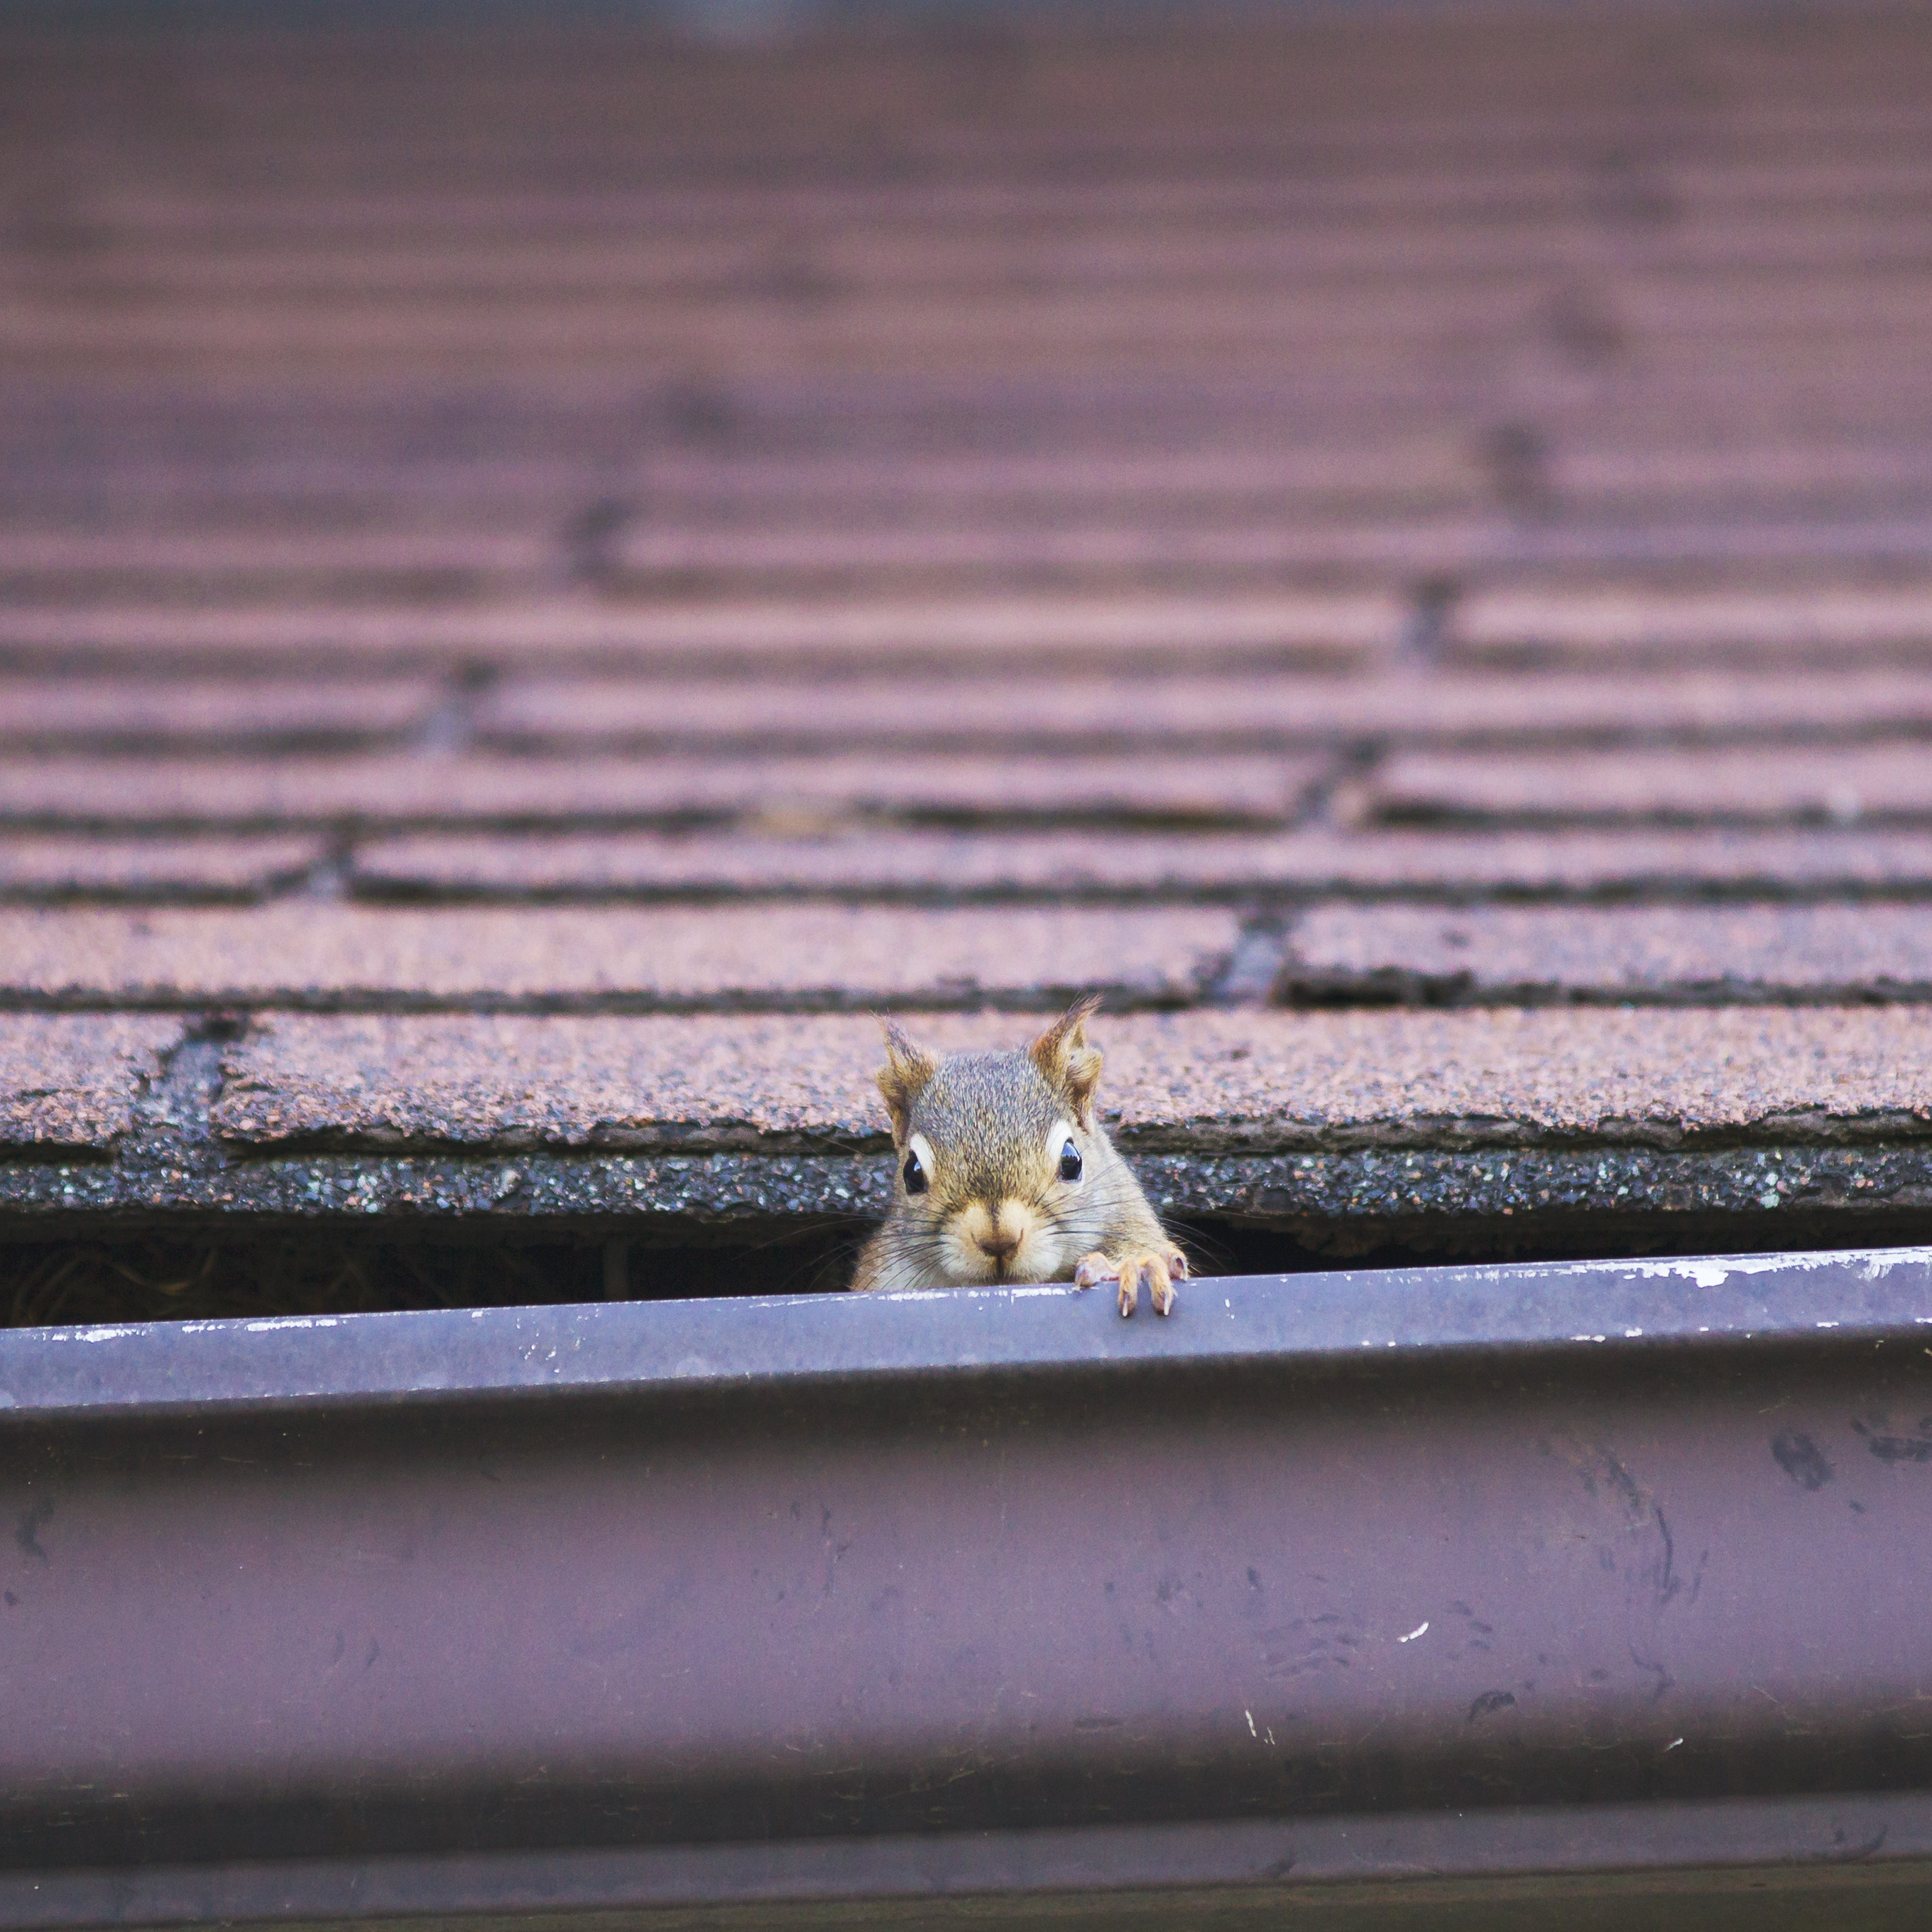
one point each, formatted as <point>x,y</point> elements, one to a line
<point>988,1130</point>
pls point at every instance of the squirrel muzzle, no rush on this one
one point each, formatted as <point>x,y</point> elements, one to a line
<point>1001,1240</point>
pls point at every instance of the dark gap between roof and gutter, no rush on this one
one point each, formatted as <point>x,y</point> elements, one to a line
<point>133,1268</point>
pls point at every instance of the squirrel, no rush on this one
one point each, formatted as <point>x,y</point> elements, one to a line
<point>1005,1174</point>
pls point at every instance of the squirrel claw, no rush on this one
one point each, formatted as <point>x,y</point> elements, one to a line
<point>1161,1271</point>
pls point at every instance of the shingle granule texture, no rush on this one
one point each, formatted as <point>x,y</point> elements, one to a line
<point>72,1080</point>
<point>51,865</point>
<point>1610,622</point>
<point>940,864</point>
<point>297,951</point>
<point>76,710</point>
<point>1434,1078</point>
<point>996,628</point>
<point>400,789</point>
<point>1767,785</point>
<point>512,1080</point>
<point>1625,951</point>
<point>1207,1081</point>
<point>1172,712</point>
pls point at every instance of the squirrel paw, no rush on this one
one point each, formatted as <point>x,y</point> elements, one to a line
<point>1162,1270</point>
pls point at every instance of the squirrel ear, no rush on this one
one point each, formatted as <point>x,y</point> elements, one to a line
<point>1066,1063</point>
<point>908,1067</point>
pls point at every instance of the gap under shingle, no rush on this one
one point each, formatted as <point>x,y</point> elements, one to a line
<point>109,1271</point>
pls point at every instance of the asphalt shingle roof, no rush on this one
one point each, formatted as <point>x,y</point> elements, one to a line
<point>1400,549</point>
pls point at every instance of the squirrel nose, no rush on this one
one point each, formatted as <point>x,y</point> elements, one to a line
<point>1001,1247</point>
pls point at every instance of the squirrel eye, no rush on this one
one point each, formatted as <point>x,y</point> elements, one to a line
<point>1069,1163</point>
<point>914,1175</point>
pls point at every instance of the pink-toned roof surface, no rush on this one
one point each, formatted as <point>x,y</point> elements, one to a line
<point>68,1082</point>
<point>1406,513</point>
<point>1216,1082</point>
<point>786,953</point>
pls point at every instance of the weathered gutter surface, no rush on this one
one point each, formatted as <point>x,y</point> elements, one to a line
<point>1410,1593</point>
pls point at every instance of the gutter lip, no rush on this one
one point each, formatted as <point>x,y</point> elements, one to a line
<point>1378,1854</point>
<point>1299,1324</point>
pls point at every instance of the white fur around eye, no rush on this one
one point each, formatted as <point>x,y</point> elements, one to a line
<point>1062,1132</point>
<point>920,1146</point>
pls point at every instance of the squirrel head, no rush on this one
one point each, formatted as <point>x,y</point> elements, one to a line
<point>1004,1173</point>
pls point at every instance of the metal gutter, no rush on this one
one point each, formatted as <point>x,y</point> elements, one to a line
<point>1408,1593</point>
